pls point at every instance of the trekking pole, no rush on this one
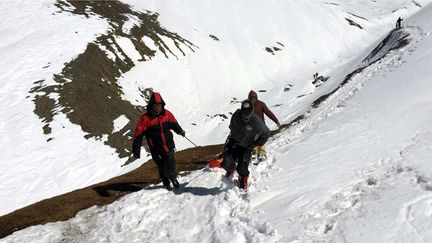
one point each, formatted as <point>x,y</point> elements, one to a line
<point>191,141</point>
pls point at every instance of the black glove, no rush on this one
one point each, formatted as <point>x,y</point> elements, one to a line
<point>136,148</point>
<point>183,133</point>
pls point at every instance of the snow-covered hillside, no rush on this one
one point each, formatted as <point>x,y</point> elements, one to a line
<point>354,168</point>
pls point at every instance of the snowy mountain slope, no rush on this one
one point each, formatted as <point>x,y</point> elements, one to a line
<point>82,123</point>
<point>35,43</point>
<point>355,169</point>
<point>84,126</point>
<point>240,62</point>
<point>366,186</point>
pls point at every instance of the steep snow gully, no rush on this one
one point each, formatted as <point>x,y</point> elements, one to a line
<point>229,213</point>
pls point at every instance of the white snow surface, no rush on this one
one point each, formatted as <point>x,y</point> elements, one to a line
<point>356,169</point>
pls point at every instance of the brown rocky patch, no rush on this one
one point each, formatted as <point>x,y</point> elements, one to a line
<point>87,87</point>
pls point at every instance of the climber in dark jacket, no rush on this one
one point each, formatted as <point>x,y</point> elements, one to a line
<point>156,126</point>
<point>247,131</point>
<point>399,23</point>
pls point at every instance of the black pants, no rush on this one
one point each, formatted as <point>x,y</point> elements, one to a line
<point>166,164</point>
<point>237,155</point>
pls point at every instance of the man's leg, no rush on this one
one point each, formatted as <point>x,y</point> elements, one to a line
<point>228,164</point>
<point>159,160</point>
<point>229,158</point>
<point>262,154</point>
<point>170,169</point>
<point>243,167</point>
<point>255,150</point>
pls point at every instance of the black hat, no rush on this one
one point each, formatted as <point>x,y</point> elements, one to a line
<point>247,109</point>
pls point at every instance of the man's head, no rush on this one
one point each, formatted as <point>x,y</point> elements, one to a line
<point>253,96</point>
<point>157,108</point>
<point>247,109</point>
<point>156,104</point>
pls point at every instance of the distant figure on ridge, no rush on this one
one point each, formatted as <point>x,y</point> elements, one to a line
<point>260,108</point>
<point>399,23</point>
<point>247,131</point>
<point>156,125</point>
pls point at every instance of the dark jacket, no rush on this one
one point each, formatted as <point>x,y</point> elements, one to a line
<point>247,134</point>
<point>156,128</point>
<point>260,108</point>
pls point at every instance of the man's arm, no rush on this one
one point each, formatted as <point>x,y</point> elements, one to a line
<point>138,136</point>
<point>270,114</point>
<point>174,125</point>
<point>136,146</point>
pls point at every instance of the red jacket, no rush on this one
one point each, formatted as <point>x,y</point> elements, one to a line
<point>156,128</point>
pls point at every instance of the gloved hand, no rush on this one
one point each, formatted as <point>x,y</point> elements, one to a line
<point>183,133</point>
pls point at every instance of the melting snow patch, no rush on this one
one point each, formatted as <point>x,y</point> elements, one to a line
<point>110,55</point>
<point>132,21</point>
<point>129,49</point>
<point>119,123</point>
<point>149,43</point>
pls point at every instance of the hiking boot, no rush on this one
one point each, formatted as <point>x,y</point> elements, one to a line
<point>166,184</point>
<point>242,182</point>
<point>245,182</point>
<point>230,172</point>
<point>175,183</point>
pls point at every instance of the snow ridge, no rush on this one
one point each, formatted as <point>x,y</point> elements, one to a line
<point>386,58</point>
